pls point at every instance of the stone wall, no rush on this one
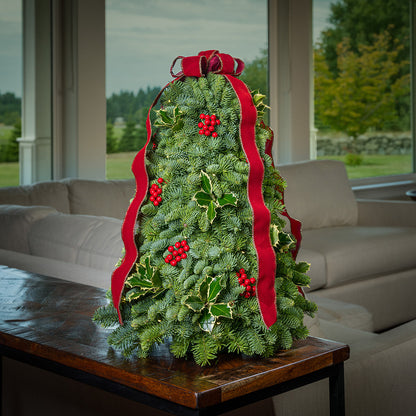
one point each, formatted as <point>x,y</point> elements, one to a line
<point>366,144</point>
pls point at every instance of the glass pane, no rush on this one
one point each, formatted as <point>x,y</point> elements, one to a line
<point>142,40</point>
<point>362,85</point>
<point>10,90</point>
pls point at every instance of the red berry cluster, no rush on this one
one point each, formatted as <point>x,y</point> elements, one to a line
<point>207,125</point>
<point>247,283</point>
<point>177,253</point>
<point>155,191</point>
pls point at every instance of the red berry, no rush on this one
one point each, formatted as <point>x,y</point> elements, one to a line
<point>173,263</point>
<point>207,133</point>
<point>184,243</point>
<point>180,250</point>
<point>246,282</point>
<point>240,280</point>
<point>237,274</point>
<point>247,295</point>
<point>252,280</point>
<point>212,123</point>
<point>243,275</point>
<point>175,253</point>
<point>201,116</point>
<point>207,122</point>
<point>213,117</point>
<point>152,198</point>
<point>178,259</point>
<point>217,122</point>
<point>201,132</point>
<point>169,257</point>
<point>214,134</point>
<point>170,248</point>
<point>242,270</point>
<point>159,199</point>
<point>177,244</point>
<point>184,255</point>
<point>186,248</point>
<point>160,180</point>
<point>167,260</point>
<point>211,128</point>
<point>200,124</point>
<point>248,288</point>
<point>155,203</point>
<point>159,191</point>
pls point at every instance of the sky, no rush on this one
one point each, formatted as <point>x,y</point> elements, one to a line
<point>144,37</point>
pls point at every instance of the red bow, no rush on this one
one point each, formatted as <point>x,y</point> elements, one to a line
<point>208,61</point>
<point>229,67</point>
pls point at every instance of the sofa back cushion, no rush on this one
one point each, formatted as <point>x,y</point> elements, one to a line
<point>101,198</point>
<point>51,194</point>
<point>16,222</point>
<point>86,240</point>
<point>319,194</point>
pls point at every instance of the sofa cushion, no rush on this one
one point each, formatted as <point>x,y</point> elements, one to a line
<point>16,222</point>
<point>56,268</point>
<point>319,194</point>
<point>52,194</point>
<point>81,239</point>
<point>360,252</point>
<point>347,314</point>
<point>103,198</point>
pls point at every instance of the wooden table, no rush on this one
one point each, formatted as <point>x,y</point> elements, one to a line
<point>46,322</point>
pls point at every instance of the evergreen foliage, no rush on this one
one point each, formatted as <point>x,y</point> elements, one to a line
<point>196,305</point>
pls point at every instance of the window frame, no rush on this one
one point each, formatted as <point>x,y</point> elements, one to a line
<point>78,86</point>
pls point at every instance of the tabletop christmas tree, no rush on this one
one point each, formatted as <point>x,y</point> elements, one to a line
<point>207,266</point>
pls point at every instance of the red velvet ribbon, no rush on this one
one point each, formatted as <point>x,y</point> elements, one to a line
<point>197,66</point>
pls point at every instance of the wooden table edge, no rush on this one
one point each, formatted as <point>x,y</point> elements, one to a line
<point>179,395</point>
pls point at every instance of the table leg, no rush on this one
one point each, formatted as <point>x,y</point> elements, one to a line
<point>336,391</point>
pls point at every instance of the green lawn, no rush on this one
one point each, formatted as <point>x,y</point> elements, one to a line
<point>9,174</point>
<point>119,167</point>
<point>377,165</point>
<point>5,133</point>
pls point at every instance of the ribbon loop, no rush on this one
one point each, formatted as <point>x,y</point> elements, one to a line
<point>208,61</point>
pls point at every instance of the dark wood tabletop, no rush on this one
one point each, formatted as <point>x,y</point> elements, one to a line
<point>50,319</point>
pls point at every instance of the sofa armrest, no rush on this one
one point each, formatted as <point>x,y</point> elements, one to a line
<point>372,212</point>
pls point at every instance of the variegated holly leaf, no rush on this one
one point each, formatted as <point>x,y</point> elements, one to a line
<point>195,303</point>
<point>135,293</point>
<point>146,280</point>
<point>206,322</point>
<point>206,182</point>
<point>274,235</point>
<point>203,288</point>
<point>211,212</point>
<point>221,309</point>
<point>285,241</point>
<point>214,289</point>
<point>206,199</point>
<point>258,101</point>
<point>165,120</point>
<point>203,199</point>
<point>227,199</point>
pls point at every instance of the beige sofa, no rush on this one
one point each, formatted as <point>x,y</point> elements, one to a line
<point>363,271</point>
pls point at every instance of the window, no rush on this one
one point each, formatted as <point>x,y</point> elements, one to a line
<point>362,92</point>
<point>142,40</point>
<point>10,90</point>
